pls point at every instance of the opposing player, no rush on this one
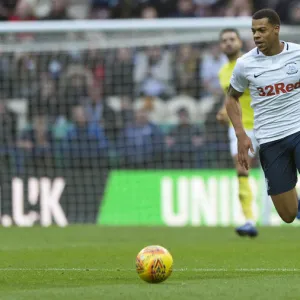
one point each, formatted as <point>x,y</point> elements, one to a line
<point>272,73</point>
<point>231,45</point>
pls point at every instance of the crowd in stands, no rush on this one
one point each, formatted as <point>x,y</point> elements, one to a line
<point>150,107</point>
<point>15,10</point>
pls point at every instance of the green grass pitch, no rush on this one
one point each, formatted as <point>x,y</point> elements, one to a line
<point>92,262</point>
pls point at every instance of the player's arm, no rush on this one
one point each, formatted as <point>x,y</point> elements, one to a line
<point>238,84</point>
<point>234,112</point>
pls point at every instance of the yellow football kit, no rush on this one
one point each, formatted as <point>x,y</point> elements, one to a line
<point>245,100</point>
<point>245,193</point>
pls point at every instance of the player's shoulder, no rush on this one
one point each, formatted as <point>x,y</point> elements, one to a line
<point>249,59</point>
<point>248,56</point>
<point>292,46</point>
<point>255,54</point>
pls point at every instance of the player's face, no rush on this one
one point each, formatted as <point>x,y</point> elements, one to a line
<point>264,34</point>
<point>230,43</point>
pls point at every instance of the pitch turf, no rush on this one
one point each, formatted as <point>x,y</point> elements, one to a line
<point>89,262</point>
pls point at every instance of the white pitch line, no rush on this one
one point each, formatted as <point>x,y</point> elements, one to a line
<point>196,270</point>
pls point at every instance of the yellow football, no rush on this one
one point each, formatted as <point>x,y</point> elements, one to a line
<point>154,264</point>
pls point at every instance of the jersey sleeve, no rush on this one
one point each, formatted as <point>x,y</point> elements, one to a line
<point>224,78</point>
<point>238,79</point>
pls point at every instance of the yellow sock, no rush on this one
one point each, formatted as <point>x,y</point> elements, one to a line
<point>245,196</point>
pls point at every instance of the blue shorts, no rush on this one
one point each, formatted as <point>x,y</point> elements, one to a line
<point>280,160</point>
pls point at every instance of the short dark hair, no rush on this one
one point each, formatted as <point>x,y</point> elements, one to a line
<point>182,110</point>
<point>225,30</point>
<point>268,13</point>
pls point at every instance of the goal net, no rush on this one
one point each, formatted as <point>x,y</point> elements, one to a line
<point>113,122</point>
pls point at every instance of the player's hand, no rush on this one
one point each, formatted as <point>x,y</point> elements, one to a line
<point>244,145</point>
<point>222,116</point>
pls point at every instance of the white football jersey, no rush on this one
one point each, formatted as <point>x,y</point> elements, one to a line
<point>274,84</point>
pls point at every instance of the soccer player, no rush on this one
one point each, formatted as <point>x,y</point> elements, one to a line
<point>231,46</point>
<point>271,71</point>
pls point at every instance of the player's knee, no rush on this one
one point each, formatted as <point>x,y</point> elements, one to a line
<point>289,217</point>
<point>288,214</point>
<point>286,205</point>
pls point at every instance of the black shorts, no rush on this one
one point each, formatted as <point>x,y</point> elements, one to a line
<point>280,160</point>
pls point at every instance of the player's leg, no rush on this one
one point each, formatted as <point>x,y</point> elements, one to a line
<point>245,193</point>
<point>297,160</point>
<point>286,205</point>
<point>279,166</point>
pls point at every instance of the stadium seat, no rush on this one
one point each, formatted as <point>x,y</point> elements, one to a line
<point>204,107</point>
<point>79,9</point>
<point>155,106</point>
<point>115,103</point>
<point>181,101</point>
<point>19,106</point>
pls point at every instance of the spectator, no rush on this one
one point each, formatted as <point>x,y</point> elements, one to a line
<point>165,8</point>
<point>55,64</point>
<point>141,143</point>
<point>118,74</point>
<point>153,73</point>
<point>7,9</point>
<point>101,9</point>
<point>8,130</point>
<point>186,71</point>
<point>260,4</point>
<point>210,66</point>
<point>26,82</point>
<point>184,143</point>
<point>23,12</point>
<point>7,74</point>
<point>135,8</point>
<point>8,137</point>
<point>8,125</point>
<point>125,9</point>
<point>126,113</point>
<point>45,101</point>
<point>85,144</point>
<point>37,143</point>
<point>94,61</point>
<point>238,8</point>
<point>74,87</point>
<point>207,8</point>
<point>98,112</point>
<point>59,10</point>
<point>149,12</point>
<point>185,9</point>
<point>104,3</point>
<point>289,11</point>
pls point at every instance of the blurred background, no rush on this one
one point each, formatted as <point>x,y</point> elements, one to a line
<point>82,104</point>
<point>16,10</point>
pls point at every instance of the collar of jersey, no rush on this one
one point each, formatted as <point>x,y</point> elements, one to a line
<point>285,48</point>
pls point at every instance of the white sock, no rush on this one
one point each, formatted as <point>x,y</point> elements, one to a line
<point>250,222</point>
